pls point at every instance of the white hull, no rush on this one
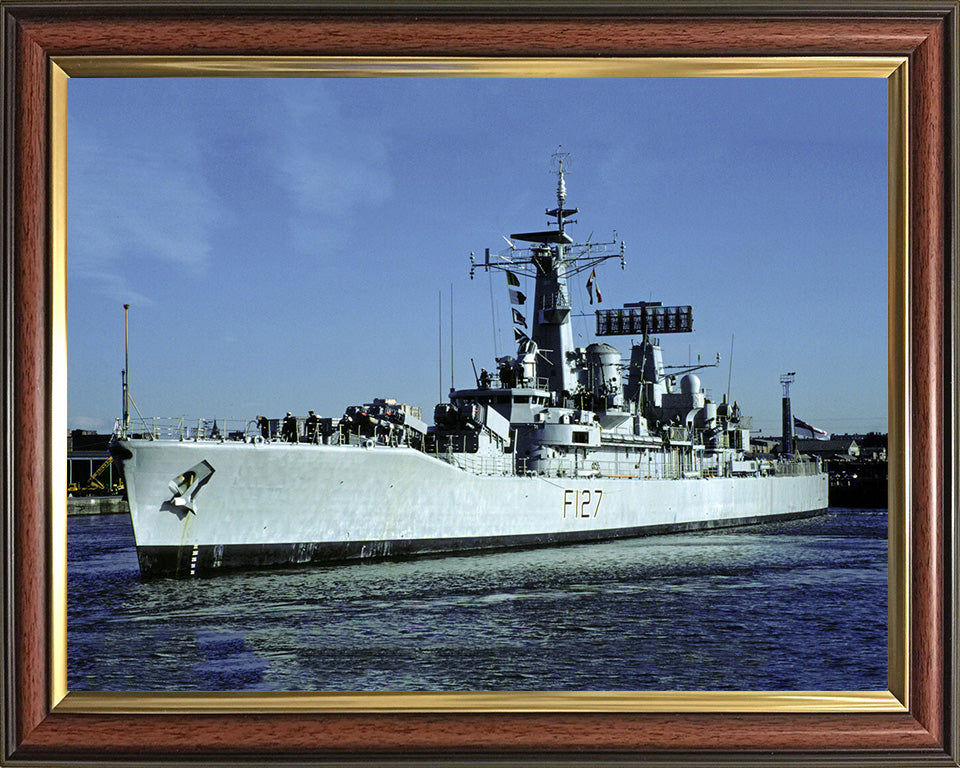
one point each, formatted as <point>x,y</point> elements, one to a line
<point>274,504</point>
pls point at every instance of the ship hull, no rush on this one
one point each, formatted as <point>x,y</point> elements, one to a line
<point>205,507</point>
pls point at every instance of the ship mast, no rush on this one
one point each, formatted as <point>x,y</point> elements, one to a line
<point>552,330</point>
<point>552,258</point>
<point>561,213</point>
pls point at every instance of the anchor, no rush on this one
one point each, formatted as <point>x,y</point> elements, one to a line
<point>185,488</point>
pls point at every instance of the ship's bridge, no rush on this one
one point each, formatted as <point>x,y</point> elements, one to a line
<point>518,405</point>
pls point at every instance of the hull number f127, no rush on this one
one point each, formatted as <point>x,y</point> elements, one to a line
<point>581,503</point>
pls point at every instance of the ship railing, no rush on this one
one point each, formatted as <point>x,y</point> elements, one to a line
<point>187,429</point>
<point>453,449</point>
<point>670,466</point>
<point>532,382</point>
<point>797,468</point>
<point>238,430</point>
<point>557,300</point>
<point>478,465</point>
<point>496,381</point>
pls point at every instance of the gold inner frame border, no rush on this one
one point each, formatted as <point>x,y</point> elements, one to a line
<point>895,699</point>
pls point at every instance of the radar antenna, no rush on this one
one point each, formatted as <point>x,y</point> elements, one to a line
<point>576,257</point>
<point>558,160</point>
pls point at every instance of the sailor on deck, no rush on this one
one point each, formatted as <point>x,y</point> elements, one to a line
<point>313,428</point>
<point>289,429</point>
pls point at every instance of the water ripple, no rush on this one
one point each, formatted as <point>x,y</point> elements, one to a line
<point>799,605</point>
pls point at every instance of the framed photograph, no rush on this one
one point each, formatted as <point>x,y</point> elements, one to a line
<point>48,45</point>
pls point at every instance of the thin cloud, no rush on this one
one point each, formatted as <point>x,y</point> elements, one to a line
<point>137,200</point>
<point>330,164</point>
<point>115,288</point>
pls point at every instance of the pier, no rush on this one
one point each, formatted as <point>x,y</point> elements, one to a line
<point>97,505</point>
<point>94,482</point>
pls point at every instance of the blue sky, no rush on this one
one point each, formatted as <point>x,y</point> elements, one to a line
<point>283,243</point>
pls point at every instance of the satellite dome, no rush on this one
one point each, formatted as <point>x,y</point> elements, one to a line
<point>690,384</point>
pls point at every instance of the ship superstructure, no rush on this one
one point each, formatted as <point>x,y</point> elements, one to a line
<point>570,409</point>
<point>558,443</point>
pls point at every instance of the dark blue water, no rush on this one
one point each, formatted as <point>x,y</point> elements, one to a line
<point>798,605</point>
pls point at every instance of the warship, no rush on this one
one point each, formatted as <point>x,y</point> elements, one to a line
<point>556,444</point>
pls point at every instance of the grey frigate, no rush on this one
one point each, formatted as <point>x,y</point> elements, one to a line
<point>556,444</point>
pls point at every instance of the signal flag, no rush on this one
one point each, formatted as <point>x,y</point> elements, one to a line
<point>591,286</point>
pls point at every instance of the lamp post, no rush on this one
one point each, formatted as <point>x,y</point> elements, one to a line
<point>126,368</point>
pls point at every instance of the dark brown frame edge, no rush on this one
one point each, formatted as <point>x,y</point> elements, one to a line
<point>926,32</point>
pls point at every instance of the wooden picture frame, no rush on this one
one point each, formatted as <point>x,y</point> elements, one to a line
<point>915,723</point>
